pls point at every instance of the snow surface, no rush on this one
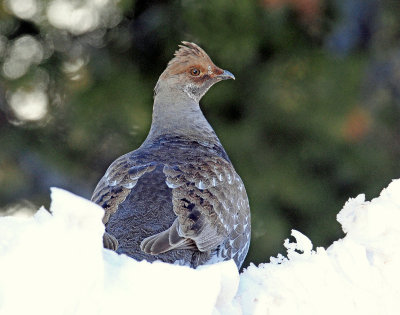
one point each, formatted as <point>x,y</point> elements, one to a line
<point>55,264</point>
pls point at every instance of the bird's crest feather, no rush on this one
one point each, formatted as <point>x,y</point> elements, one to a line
<point>190,49</point>
<point>188,53</point>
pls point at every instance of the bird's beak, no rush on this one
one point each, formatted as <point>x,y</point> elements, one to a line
<point>226,75</point>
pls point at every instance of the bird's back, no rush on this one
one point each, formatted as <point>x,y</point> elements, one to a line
<point>145,191</point>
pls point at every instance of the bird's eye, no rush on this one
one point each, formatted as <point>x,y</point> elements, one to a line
<point>194,72</point>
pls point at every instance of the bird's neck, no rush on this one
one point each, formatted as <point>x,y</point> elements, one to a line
<point>176,114</point>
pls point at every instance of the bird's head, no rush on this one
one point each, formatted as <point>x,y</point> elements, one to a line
<point>191,72</point>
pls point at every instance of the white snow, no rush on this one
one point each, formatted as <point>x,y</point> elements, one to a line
<point>55,264</point>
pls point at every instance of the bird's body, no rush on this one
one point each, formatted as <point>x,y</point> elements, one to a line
<point>177,198</point>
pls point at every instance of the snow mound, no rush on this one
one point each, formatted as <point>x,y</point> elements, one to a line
<point>55,264</point>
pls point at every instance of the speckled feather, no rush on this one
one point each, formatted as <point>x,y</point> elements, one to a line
<point>177,198</point>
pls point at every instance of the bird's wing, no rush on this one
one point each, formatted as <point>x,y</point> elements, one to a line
<point>207,198</point>
<point>117,182</point>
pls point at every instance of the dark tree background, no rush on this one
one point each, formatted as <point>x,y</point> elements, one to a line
<point>311,120</point>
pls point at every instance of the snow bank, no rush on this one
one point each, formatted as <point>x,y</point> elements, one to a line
<point>55,264</point>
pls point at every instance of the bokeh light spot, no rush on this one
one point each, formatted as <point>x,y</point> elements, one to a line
<point>29,105</point>
<point>24,9</point>
<point>24,51</point>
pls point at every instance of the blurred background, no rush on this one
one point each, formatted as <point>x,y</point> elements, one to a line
<point>311,120</point>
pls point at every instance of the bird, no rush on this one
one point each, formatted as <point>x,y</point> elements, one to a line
<point>177,198</point>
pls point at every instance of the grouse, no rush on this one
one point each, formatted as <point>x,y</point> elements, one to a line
<point>177,198</point>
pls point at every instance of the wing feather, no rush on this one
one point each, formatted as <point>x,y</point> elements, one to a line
<point>204,200</point>
<point>117,182</point>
